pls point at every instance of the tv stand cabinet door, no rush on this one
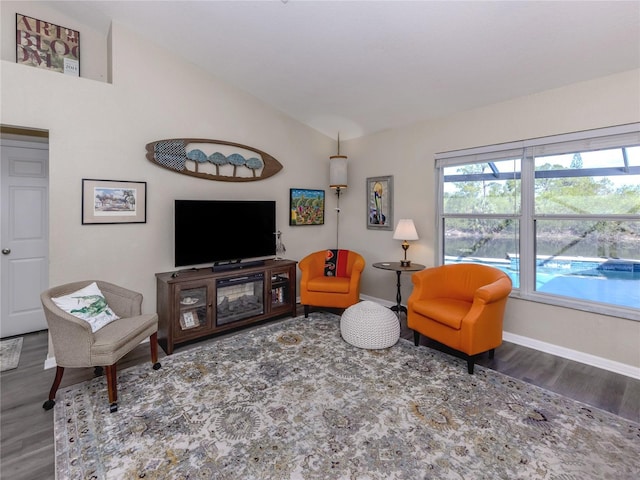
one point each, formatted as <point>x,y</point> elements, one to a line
<point>185,310</point>
<point>282,289</point>
<point>193,304</point>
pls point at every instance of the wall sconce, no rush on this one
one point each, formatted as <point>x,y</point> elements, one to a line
<point>338,181</point>
<point>405,230</point>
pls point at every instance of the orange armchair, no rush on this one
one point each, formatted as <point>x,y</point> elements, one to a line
<point>461,306</point>
<point>317,289</point>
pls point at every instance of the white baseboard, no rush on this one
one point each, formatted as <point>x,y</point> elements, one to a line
<point>50,362</point>
<point>563,352</point>
<point>586,358</point>
<point>386,303</point>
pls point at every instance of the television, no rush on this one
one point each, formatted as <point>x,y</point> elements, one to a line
<point>223,231</point>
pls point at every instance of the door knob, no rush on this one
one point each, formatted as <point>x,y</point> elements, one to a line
<point>6,251</point>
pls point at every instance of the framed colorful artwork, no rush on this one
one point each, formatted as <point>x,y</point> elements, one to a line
<point>380,203</point>
<point>113,201</point>
<point>306,207</point>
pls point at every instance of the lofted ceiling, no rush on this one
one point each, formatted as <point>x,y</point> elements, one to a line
<point>359,67</point>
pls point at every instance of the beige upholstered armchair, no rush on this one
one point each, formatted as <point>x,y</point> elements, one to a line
<point>75,344</point>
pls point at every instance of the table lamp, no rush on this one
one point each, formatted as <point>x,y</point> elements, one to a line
<point>405,230</point>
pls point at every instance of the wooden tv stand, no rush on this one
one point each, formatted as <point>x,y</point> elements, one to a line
<point>197,303</point>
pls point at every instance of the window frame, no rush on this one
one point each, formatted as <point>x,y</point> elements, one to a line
<point>527,150</point>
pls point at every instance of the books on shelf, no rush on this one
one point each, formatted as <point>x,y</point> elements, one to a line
<point>277,295</point>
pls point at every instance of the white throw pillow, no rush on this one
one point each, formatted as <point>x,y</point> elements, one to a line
<point>89,305</point>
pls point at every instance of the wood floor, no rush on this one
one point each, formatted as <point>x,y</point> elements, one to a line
<point>26,430</point>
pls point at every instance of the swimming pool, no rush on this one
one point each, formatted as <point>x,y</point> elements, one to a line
<point>599,280</point>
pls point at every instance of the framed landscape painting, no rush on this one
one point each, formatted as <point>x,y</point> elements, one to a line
<point>306,207</point>
<point>380,203</point>
<point>113,201</point>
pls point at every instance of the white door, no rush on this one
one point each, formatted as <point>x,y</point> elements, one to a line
<point>24,236</point>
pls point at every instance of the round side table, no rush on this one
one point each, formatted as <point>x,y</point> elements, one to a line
<point>398,268</point>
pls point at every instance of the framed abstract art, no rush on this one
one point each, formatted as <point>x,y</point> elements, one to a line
<point>306,207</point>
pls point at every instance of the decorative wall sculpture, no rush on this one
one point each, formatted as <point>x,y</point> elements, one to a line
<point>213,159</point>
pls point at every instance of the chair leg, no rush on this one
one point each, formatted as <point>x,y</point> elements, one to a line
<point>416,338</point>
<point>153,342</point>
<point>48,405</point>
<point>112,387</point>
<point>470,364</point>
<point>112,375</point>
<point>306,311</point>
<point>492,353</point>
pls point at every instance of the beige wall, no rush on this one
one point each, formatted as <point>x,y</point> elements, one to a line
<point>99,130</point>
<point>408,154</point>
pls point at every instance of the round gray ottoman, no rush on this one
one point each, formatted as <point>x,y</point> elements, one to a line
<point>369,325</point>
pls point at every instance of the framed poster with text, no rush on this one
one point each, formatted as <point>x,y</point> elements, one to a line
<point>45,45</point>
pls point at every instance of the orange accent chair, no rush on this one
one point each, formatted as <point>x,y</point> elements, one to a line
<point>460,306</point>
<point>319,290</point>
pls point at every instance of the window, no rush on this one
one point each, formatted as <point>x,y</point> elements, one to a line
<point>560,215</point>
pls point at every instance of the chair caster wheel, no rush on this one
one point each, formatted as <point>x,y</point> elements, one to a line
<point>157,366</point>
<point>113,408</point>
<point>48,405</point>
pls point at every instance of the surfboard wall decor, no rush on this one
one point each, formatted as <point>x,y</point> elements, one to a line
<point>213,159</point>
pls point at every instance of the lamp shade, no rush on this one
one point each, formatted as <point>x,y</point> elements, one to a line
<point>405,230</point>
<point>338,171</point>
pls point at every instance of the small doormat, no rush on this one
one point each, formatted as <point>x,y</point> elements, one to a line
<point>10,353</point>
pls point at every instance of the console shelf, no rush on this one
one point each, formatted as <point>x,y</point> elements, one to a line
<point>193,304</point>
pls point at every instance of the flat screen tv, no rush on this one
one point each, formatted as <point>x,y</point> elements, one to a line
<point>223,231</point>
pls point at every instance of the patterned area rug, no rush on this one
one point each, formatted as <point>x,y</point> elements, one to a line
<point>292,400</point>
<point>10,353</point>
